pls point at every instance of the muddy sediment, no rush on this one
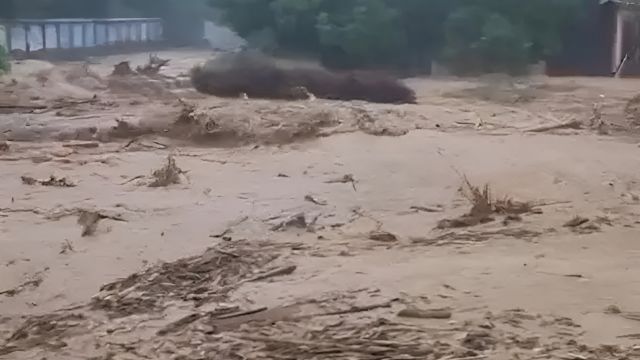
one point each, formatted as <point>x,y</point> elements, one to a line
<point>312,228</point>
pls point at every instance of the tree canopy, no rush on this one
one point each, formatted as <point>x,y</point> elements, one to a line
<point>469,35</point>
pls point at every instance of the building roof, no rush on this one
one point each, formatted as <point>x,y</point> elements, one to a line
<point>78,20</point>
<point>622,2</point>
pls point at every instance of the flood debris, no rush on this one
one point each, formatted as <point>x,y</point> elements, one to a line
<point>82,144</point>
<point>511,218</point>
<point>297,221</point>
<point>229,228</point>
<point>472,237</point>
<point>89,219</point>
<point>51,181</point>
<point>315,200</point>
<point>32,283</point>
<point>25,109</point>
<point>220,313</point>
<point>126,130</point>
<point>153,66</point>
<point>169,174</point>
<point>382,236</point>
<point>581,224</point>
<point>137,177</point>
<point>89,222</point>
<point>413,312</point>
<point>377,339</point>
<point>200,279</point>
<point>301,93</point>
<point>629,315</point>
<point>632,110</point>
<point>4,147</point>
<point>353,309</point>
<point>481,208</point>
<point>63,103</point>
<point>427,209</point>
<point>572,124</point>
<point>282,271</point>
<point>484,206</point>
<point>345,179</point>
<point>596,120</point>
<point>45,331</point>
<point>576,221</point>
<point>66,247</point>
<point>479,340</point>
<point>122,69</point>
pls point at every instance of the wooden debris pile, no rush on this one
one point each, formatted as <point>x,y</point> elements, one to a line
<point>46,331</point>
<point>152,67</point>
<point>51,181</point>
<point>379,339</point>
<point>200,279</point>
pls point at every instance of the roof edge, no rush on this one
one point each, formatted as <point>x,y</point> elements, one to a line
<point>621,2</point>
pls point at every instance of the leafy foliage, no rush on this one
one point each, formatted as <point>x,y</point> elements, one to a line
<point>469,35</point>
<point>479,41</point>
<point>5,65</point>
<point>369,33</point>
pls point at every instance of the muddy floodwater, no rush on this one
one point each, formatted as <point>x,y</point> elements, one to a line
<point>497,218</point>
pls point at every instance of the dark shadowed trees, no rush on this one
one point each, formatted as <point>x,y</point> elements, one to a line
<point>470,35</point>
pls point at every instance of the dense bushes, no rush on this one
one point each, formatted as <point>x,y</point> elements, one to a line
<point>468,35</point>
<point>479,41</point>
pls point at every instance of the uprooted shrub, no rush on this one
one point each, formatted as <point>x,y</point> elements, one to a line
<point>484,206</point>
<point>258,76</point>
<point>167,175</point>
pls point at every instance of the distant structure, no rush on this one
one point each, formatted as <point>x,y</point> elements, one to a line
<point>606,43</point>
<point>625,37</point>
<point>43,38</point>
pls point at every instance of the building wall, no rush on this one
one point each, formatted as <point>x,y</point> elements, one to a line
<point>27,37</point>
<point>626,52</point>
<point>588,47</point>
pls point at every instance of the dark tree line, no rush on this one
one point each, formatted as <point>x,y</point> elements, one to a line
<point>471,36</point>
